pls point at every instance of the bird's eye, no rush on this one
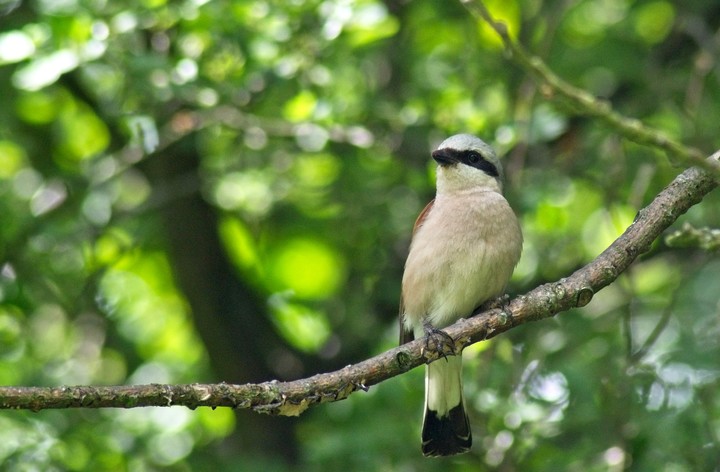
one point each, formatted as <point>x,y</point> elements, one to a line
<point>473,157</point>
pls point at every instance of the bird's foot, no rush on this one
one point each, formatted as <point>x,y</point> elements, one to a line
<point>437,343</point>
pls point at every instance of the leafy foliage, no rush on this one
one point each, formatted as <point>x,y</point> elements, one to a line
<point>224,191</point>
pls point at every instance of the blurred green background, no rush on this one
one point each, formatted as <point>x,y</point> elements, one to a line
<point>206,191</point>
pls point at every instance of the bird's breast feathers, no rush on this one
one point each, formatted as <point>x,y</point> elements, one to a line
<point>462,254</point>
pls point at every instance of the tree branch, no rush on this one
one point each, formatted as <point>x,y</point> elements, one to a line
<point>584,101</point>
<point>577,290</point>
<point>292,398</point>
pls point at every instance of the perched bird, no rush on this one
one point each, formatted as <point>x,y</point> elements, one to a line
<point>465,245</point>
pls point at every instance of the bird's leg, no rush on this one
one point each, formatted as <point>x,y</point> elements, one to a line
<point>437,343</point>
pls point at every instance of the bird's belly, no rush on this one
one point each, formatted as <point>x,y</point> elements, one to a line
<point>451,289</point>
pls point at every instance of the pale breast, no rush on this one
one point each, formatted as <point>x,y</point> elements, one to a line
<point>462,256</point>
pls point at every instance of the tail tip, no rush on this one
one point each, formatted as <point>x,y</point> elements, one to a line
<point>446,435</point>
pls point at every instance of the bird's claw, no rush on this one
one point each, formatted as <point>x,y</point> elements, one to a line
<point>437,343</point>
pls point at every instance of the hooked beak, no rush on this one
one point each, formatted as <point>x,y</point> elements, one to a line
<point>445,157</point>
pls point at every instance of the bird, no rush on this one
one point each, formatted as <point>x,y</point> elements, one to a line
<point>465,245</point>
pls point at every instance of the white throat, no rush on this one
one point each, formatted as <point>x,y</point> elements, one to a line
<point>459,178</point>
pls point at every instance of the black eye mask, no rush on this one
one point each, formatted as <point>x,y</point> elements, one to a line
<point>447,156</point>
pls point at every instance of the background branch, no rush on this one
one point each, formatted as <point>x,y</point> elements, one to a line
<point>584,101</point>
<point>292,398</point>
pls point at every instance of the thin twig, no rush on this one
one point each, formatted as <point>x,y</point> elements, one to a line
<point>584,101</point>
<point>652,338</point>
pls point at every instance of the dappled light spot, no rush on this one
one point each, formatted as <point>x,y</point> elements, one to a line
<point>587,22</point>
<point>48,197</point>
<point>15,46</point>
<point>82,134</point>
<point>139,295</point>
<point>305,328</point>
<point>13,159</point>
<point>301,106</point>
<point>308,267</point>
<point>604,226</point>
<point>654,20</point>
<point>45,70</point>
<point>248,191</point>
<point>239,243</point>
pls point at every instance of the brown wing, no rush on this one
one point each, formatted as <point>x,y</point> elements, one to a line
<point>423,214</point>
<point>405,335</point>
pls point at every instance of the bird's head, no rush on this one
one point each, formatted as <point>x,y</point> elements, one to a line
<point>466,162</point>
